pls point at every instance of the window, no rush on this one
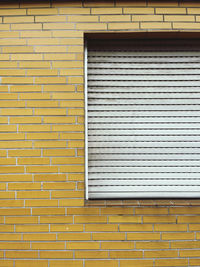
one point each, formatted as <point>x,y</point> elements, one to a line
<point>143,118</point>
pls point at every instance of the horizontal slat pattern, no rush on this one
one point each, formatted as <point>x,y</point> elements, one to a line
<point>144,118</point>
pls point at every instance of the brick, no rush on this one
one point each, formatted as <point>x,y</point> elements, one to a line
<point>49,80</point>
<point>170,227</point>
<point>34,128</point>
<point>194,262</point>
<point>56,219</point>
<point>68,96</point>
<point>91,254</point>
<point>42,104</point>
<point>126,254</point>
<point>74,236</point>
<point>33,161</point>
<point>159,219</point>
<point>71,11</point>
<point>41,169</point>
<point>24,153</point>
<point>147,18</point>
<point>156,25</point>
<point>141,236</point>
<point>10,237</point>
<point>11,72</point>
<point>33,194</point>
<point>34,64</point>
<point>31,263</point>
<point>48,246</point>
<point>151,211</point>
<point>6,228</point>
<point>60,119</point>
<point>184,25</point>
<point>72,168</point>
<point>138,263</point>
<point>108,236</point>
<point>71,202</point>
<point>84,18</point>
<point>83,245</point>
<point>20,19</point>
<point>185,210</point>
<point>6,263</point>
<point>50,18</point>
<point>6,212</point>
<point>105,263</point>
<point>13,12</point>
<point>53,112</point>
<point>72,136</point>
<point>56,255</point>
<point>91,26</point>
<point>53,88</point>
<point>42,11</point>
<point>83,211</point>
<point>22,219</point>
<point>26,88</point>
<point>75,177</point>
<point>76,112</point>
<point>42,136</point>
<point>67,194</point>
<point>43,72</point>
<point>152,245</point>
<point>67,228</point>
<point>59,152</point>
<point>106,11</point>
<point>111,18</point>
<point>35,96</point>
<point>139,10</point>
<point>185,244</point>
<point>193,10</point>
<point>14,245</point>
<point>21,254</point>
<point>57,185</point>
<point>7,195</point>
<point>170,10</point>
<point>21,120</point>
<point>124,26</point>
<point>28,26</point>
<point>124,219</point>
<point>45,144</point>
<point>117,245</point>
<point>63,64</point>
<point>171,262</point>
<point>11,169</point>
<point>39,237</point>
<point>68,263</point>
<point>49,177</point>
<point>179,18</point>
<point>136,227</point>
<point>24,186</point>
<point>39,203</point>
<point>161,254</point>
<point>58,25</point>
<point>177,236</point>
<point>75,144</point>
<point>48,211</point>
<point>90,219</point>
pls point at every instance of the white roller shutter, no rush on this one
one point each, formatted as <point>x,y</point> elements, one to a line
<point>143,119</point>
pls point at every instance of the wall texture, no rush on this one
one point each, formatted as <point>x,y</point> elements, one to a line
<point>45,221</point>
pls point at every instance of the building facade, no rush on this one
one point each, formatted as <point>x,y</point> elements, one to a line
<point>45,220</point>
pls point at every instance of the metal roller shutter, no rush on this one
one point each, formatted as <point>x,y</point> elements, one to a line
<point>143,119</point>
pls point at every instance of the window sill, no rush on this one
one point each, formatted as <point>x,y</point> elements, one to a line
<point>143,202</point>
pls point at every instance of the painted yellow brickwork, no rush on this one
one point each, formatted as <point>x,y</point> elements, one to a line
<point>44,220</point>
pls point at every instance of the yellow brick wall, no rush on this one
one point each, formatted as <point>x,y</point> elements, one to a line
<point>44,220</point>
